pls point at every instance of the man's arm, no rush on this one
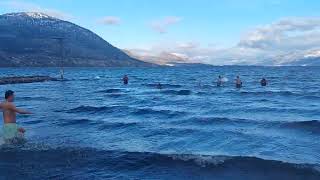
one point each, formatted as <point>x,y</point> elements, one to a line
<point>20,111</point>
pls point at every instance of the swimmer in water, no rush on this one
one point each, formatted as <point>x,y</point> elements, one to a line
<point>220,81</point>
<point>238,82</point>
<point>159,86</point>
<point>10,129</point>
<point>125,80</point>
<point>263,82</point>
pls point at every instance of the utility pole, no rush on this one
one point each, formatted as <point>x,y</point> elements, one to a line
<point>61,45</point>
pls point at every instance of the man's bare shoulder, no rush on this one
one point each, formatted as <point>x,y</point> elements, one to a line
<point>7,105</point>
<point>2,104</point>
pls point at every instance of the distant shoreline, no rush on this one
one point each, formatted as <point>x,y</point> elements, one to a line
<point>158,66</point>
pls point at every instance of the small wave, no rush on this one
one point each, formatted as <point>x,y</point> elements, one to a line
<point>206,86</point>
<point>89,79</point>
<point>33,98</point>
<point>149,111</point>
<point>116,95</point>
<point>156,85</point>
<point>101,125</point>
<point>91,109</point>
<point>214,120</point>
<point>203,93</point>
<point>72,122</point>
<point>283,93</point>
<point>282,109</point>
<point>110,91</point>
<point>264,100</point>
<point>178,92</point>
<point>311,126</point>
<point>311,97</point>
<point>116,125</point>
<point>33,122</point>
<point>83,79</point>
<point>63,162</point>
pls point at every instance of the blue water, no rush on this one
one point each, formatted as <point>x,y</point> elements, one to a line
<point>93,127</point>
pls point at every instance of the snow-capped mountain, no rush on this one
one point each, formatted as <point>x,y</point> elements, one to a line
<point>35,15</point>
<point>163,58</point>
<point>299,58</point>
<point>32,39</point>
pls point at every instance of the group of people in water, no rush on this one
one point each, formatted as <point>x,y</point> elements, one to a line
<point>12,132</point>
<point>220,82</point>
<point>238,82</point>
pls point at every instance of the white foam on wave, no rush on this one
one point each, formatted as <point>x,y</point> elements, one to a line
<point>202,160</point>
<point>224,79</point>
<point>317,168</point>
<point>1,141</point>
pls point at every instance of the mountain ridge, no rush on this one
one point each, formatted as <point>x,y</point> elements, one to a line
<point>30,39</point>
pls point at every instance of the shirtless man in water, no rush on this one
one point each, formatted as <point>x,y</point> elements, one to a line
<point>10,128</point>
<point>238,82</point>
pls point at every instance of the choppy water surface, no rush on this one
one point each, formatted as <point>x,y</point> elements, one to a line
<point>92,126</point>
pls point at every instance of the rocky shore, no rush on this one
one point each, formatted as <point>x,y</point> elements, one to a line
<point>25,79</point>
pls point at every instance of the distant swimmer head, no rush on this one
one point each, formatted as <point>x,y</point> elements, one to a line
<point>263,82</point>
<point>9,96</point>
<point>125,79</point>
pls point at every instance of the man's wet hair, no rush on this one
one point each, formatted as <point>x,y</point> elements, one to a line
<point>8,94</point>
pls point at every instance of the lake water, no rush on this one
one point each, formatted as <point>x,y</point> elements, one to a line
<point>94,127</point>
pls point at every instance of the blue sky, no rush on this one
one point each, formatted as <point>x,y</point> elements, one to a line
<point>136,24</point>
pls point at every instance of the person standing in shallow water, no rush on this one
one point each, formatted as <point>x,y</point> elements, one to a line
<point>125,80</point>
<point>238,82</point>
<point>219,82</point>
<point>10,129</point>
<point>263,82</point>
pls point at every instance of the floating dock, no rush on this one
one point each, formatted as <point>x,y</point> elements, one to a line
<point>25,79</point>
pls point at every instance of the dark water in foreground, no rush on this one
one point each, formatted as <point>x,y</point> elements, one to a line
<point>93,127</point>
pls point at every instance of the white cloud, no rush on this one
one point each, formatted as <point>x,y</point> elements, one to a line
<point>285,34</point>
<point>188,45</point>
<point>281,42</point>
<point>110,20</point>
<point>162,25</point>
<point>16,5</point>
